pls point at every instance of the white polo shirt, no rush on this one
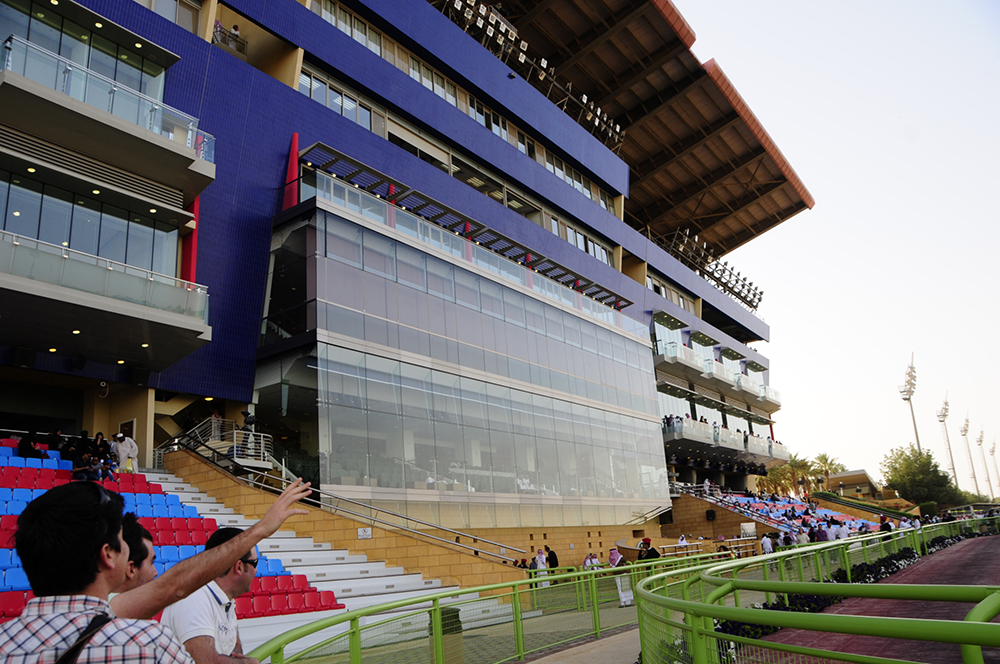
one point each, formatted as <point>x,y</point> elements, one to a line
<point>205,612</point>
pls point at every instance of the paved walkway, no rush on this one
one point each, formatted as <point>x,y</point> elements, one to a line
<point>621,648</point>
<point>971,562</point>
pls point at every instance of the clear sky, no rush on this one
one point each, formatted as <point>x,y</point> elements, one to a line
<point>888,112</point>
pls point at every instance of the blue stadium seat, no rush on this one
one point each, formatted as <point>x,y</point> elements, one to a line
<point>5,559</point>
<point>15,560</point>
<point>50,463</point>
<point>15,506</point>
<point>157,499</point>
<point>6,494</point>
<point>6,451</point>
<point>190,512</point>
<point>274,567</point>
<point>65,465</point>
<point>15,461</point>
<point>35,493</point>
<point>15,579</point>
<point>141,498</point>
<point>175,511</point>
<point>171,499</point>
<point>54,455</point>
<point>186,551</point>
<point>160,511</point>
<point>159,568</point>
<point>22,494</point>
<point>143,511</point>
<point>169,553</point>
<point>32,463</point>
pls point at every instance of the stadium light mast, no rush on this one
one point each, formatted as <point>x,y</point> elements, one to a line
<point>968,448</point>
<point>942,416</point>
<point>906,392</point>
<point>993,453</point>
<point>982,450</point>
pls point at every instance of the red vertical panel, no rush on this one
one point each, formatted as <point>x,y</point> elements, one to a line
<point>189,247</point>
<point>291,198</point>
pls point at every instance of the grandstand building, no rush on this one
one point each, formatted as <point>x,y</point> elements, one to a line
<point>461,260</point>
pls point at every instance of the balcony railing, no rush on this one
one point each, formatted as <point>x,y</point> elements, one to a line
<point>772,394</point>
<point>59,266</point>
<point>748,384</point>
<point>719,371</point>
<point>688,356</point>
<point>72,79</point>
<point>227,38</point>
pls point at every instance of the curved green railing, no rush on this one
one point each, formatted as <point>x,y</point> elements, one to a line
<point>678,609</point>
<point>676,603</point>
<point>505,622</point>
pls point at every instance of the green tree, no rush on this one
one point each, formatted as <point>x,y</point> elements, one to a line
<point>800,467</point>
<point>916,477</point>
<point>828,465</point>
<point>778,481</point>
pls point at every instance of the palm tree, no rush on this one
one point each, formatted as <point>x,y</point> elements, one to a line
<point>828,465</point>
<point>777,481</point>
<point>800,468</point>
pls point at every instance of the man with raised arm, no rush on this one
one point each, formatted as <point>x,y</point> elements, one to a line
<point>147,599</point>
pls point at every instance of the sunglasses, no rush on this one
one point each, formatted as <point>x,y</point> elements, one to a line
<point>251,562</point>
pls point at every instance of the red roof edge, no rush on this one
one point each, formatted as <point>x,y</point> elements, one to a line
<point>740,106</point>
<point>676,21</point>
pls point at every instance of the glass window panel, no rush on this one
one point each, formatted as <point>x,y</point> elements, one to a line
<point>467,289</point>
<point>548,466</point>
<point>45,29</point>
<point>440,279</point>
<point>343,241</point>
<point>365,117</point>
<point>374,42</point>
<point>114,231</point>
<point>344,21</point>
<point>140,243</point>
<point>415,385</point>
<point>305,83</point>
<point>86,226</point>
<point>75,44</point>
<point>188,15</point>
<point>385,447</point>
<point>166,8</point>
<point>153,76</point>
<point>335,100</point>
<point>526,464</point>
<point>360,31</point>
<point>491,298</point>
<point>534,315</point>
<point>4,188</point>
<point>383,385</point>
<point>129,70</point>
<point>14,18</point>
<point>414,69</point>
<point>478,465</point>
<point>24,205</point>
<point>411,267</point>
<point>165,239</point>
<point>57,216</point>
<point>474,406</point>
<point>318,91</point>
<point>103,58</point>
<point>350,108</point>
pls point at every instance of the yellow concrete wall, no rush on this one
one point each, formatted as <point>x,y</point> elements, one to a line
<point>104,410</point>
<point>691,521</point>
<point>453,567</point>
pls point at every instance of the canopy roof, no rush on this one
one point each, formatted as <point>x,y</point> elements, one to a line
<point>700,160</point>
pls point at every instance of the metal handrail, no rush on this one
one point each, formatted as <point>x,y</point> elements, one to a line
<point>365,517</point>
<point>698,616</point>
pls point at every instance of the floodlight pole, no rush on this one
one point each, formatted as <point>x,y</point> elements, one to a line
<point>982,450</point>
<point>968,448</point>
<point>993,453</point>
<point>906,392</point>
<point>942,416</point>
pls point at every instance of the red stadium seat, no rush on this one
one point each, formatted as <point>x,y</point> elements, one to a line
<point>12,603</point>
<point>194,524</point>
<point>147,522</point>
<point>24,482</point>
<point>47,472</point>
<point>8,521</point>
<point>295,602</point>
<point>327,600</point>
<point>59,481</point>
<point>163,523</point>
<point>30,472</point>
<point>7,538</point>
<point>301,582</point>
<point>182,537</point>
<point>155,488</point>
<point>268,584</point>
<point>178,523</point>
<point>279,604</point>
<point>109,485</point>
<point>164,537</point>
<point>210,526</point>
<point>261,605</point>
<point>45,483</point>
<point>199,538</point>
<point>64,474</point>
<point>285,583</point>
<point>311,600</point>
<point>244,607</point>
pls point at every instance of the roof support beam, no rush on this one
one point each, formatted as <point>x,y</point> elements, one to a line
<point>642,113</point>
<point>640,72</point>
<point>677,152</point>
<point>530,15</point>
<point>711,181</point>
<point>699,227</point>
<point>739,239</point>
<point>585,44</point>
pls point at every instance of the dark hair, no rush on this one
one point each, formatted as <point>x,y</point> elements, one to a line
<point>60,535</point>
<point>221,536</point>
<point>135,535</point>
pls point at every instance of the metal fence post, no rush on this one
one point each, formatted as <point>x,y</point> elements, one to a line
<point>355,640</point>
<point>594,610</point>
<point>518,624</point>
<point>436,632</point>
<point>845,562</point>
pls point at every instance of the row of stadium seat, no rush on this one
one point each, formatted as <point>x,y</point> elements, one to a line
<point>18,462</point>
<point>10,452</point>
<point>292,602</point>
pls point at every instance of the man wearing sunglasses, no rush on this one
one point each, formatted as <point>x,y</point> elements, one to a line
<point>205,622</point>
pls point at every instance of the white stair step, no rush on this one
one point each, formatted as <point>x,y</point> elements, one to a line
<point>316,573</point>
<point>211,509</point>
<point>291,559</point>
<point>177,487</point>
<point>288,544</point>
<point>190,498</point>
<point>378,585</point>
<point>231,520</point>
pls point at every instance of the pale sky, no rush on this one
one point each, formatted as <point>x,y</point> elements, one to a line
<point>888,112</point>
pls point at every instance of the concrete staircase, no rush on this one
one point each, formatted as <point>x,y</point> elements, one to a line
<point>357,582</point>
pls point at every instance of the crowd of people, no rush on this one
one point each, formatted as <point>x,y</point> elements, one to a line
<point>93,459</point>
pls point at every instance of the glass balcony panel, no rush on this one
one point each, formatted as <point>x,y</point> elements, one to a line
<point>42,264</point>
<point>127,287</point>
<point>86,274</point>
<point>65,76</point>
<point>168,297</point>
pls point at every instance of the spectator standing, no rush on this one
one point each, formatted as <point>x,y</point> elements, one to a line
<point>766,546</point>
<point>540,566</point>
<point>128,453</point>
<point>622,581</point>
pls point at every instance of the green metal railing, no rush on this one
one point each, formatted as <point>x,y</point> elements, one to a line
<point>678,609</point>
<point>506,622</point>
<point>677,601</point>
